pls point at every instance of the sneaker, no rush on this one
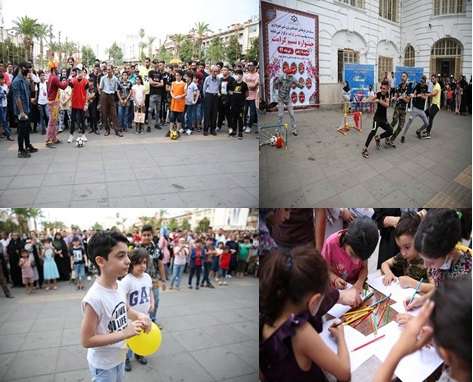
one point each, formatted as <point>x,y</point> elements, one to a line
<point>10,139</point>
<point>247,130</point>
<point>378,142</point>
<point>70,139</point>
<point>127,365</point>
<point>211,286</point>
<point>220,283</point>
<point>240,136</point>
<point>141,359</point>
<point>230,131</point>
<point>59,131</point>
<point>225,283</point>
<point>426,136</point>
<point>217,129</point>
<point>188,132</point>
<point>158,127</point>
<point>364,153</point>
<point>84,137</point>
<point>24,154</point>
<point>50,144</point>
<point>418,134</point>
<point>181,130</point>
<point>388,144</point>
<point>294,132</point>
<point>31,149</point>
<point>189,286</point>
<point>403,139</point>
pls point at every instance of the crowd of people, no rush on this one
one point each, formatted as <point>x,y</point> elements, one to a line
<point>190,98</point>
<point>308,258</point>
<point>39,260</point>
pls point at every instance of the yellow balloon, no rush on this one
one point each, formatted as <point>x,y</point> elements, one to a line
<point>145,344</point>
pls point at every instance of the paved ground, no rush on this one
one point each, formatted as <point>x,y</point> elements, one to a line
<point>324,168</point>
<point>134,171</point>
<point>209,335</point>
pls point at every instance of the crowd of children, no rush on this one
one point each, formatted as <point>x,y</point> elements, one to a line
<point>298,285</point>
<point>191,97</point>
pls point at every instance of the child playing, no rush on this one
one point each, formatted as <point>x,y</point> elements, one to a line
<point>196,262</point>
<point>380,119</point>
<point>225,258</point>
<point>292,289</point>
<point>181,251</point>
<point>192,96</point>
<point>347,251</point>
<point>26,270</point>
<point>65,105</point>
<point>92,102</point>
<point>137,286</point>
<point>105,324</point>
<point>50,270</point>
<point>446,319</point>
<point>407,266</point>
<point>209,252</point>
<point>178,102</point>
<point>243,253</point>
<point>78,261</point>
<point>216,260</point>
<point>138,96</point>
<point>436,241</point>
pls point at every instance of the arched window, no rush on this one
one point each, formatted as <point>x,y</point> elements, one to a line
<point>446,57</point>
<point>409,56</point>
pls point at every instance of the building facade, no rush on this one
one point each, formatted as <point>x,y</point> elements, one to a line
<point>432,34</point>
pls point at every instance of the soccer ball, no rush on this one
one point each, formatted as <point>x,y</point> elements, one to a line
<point>273,140</point>
<point>174,135</point>
<point>80,142</point>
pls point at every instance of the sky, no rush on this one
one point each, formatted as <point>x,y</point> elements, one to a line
<point>86,217</point>
<point>114,20</point>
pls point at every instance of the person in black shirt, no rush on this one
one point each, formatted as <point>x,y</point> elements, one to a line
<point>380,119</point>
<point>418,106</point>
<point>156,86</point>
<point>224,99</point>
<point>402,100</point>
<point>238,92</point>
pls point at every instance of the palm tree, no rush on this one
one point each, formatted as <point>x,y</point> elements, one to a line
<point>142,44</point>
<point>56,47</point>
<point>177,39</point>
<point>42,33</point>
<point>151,39</point>
<point>23,214</point>
<point>200,30</point>
<point>28,29</point>
<point>69,47</point>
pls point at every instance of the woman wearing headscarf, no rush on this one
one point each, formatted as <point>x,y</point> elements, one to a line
<point>13,250</point>
<point>163,246</point>
<point>62,257</point>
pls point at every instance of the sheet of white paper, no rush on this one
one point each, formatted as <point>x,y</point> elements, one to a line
<point>339,310</point>
<point>414,367</point>
<point>399,307</point>
<point>398,294</point>
<point>353,339</point>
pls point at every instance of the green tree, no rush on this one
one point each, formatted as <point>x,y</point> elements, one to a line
<point>41,34</point>
<point>203,225</point>
<point>233,49</point>
<point>28,28</point>
<point>173,224</point>
<point>87,55</point>
<point>252,52</point>
<point>142,44</point>
<point>185,225</point>
<point>187,50</point>
<point>97,226</point>
<point>10,52</point>
<point>24,214</point>
<point>215,52</point>
<point>200,30</point>
<point>69,47</point>
<point>115,53</point>
<point>151,40</point>
<point>177,39</point>
<point>54,225</point>
<point>163,54</point>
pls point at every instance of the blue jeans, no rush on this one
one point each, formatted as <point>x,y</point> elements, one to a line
<point>4,122</point>
<point>43,116</point>
<point>115,374</point>
<point>153,314</point>
<point>191,116</point>
<point>80,271</point>
<point>123,116</point>
<point>176,274</point>
<point>253,118</point>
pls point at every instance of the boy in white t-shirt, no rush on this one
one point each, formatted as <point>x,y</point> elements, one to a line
<point>137,287</point>
<point>105,324</point>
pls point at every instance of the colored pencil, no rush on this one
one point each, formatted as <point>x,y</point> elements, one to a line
<point>360,320</point>
<point>386,307</point>
<point>380,301</point>
<point>369,342</point>
<point>373,317</point>
<point>417,290</point>
<point>355,312</point>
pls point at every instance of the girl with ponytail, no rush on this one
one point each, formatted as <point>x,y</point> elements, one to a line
<point>294,295</point>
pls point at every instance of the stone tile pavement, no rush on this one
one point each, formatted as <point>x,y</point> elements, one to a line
<point>209,335</point>
<point>135,171</point>
<point>324,168</point>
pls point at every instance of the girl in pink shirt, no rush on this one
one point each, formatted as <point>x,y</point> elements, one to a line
<point>347,251</point>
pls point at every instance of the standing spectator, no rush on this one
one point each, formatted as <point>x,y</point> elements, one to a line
<point>226,83</point>
<point>251,78</point>
<point>210,91</point>
<point>124,95</point>
<point>108,89</point>
<point>42,101</point>
<point>79,87</point>
<point>238,94</point>
<point>21,108</point>
<point>4,108</point>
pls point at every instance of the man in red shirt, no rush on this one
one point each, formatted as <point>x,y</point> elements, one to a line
<point>79,87</point>
<point>53,86</point>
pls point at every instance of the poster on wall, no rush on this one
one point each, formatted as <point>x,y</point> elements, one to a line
<point>359,78</point>
<point>291,41</point>
<point>415,74</point>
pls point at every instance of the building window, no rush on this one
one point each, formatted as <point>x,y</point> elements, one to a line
<point>409,56</point>
<point>346,56</point>
<point>448,7</point>
<point>389,9</point>
<point>354,3</point>
<point>385,65</point>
